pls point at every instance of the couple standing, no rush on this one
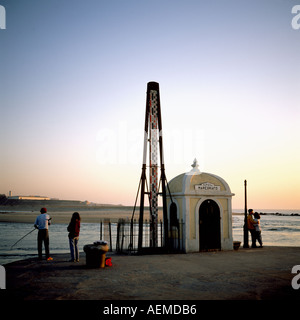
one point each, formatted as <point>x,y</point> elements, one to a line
<point>43,221</point>
<point>253,222</point>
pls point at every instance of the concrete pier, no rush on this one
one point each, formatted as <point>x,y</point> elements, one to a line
<point>256,274</point>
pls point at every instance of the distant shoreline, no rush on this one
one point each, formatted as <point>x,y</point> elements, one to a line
<point>63,214</point>
<point>89,214</point>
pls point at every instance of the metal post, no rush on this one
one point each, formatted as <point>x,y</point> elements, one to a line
<point>246,236</point>
<point>131,236</point>
<point>161,233</point>
<point>110,241</point>
<point>163,178</point>
<point>141,218</point>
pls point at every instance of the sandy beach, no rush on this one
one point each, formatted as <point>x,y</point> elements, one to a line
<point>63,215</point>
<point>256,274</point>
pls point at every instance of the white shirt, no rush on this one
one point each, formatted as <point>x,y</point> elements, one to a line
<point>257,225</point>
<point>41,221</point>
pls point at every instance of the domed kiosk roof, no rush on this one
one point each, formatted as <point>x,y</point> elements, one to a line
<point>196,182</point>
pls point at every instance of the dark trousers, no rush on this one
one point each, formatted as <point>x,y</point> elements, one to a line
<point>43,236</point>
<point>258,237</point>
<point>253,237</point>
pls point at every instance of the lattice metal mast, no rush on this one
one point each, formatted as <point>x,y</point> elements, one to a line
<point>153,136</point>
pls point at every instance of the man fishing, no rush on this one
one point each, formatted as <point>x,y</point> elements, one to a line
<point>41,223</point>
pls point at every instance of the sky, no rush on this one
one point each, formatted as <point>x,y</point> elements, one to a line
<point>73,79</point>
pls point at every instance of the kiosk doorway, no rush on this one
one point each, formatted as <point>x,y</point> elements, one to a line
<point>209,226</point>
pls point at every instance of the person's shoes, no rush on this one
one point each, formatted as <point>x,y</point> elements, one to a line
<point>49,259</point>
<point>71,260</point>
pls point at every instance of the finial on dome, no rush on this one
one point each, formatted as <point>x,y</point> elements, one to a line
<point>195,165</point>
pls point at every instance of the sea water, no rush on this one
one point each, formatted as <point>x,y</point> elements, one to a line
<point>27,247</point>
<point>276,231</point>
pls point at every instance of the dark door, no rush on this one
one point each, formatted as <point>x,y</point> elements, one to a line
<point>209,226</point>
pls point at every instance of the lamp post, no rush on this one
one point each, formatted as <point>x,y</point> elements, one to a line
<point>246,238</point>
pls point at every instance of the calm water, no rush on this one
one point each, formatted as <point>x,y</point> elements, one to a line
<point>276,231</point>
<point>58,234</point>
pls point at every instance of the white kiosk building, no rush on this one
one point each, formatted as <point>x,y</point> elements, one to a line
<point>202,201</point>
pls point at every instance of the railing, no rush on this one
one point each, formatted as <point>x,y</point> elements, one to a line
<point>122,237</point>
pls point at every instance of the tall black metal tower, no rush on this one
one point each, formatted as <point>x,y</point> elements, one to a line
<point>154,142</point>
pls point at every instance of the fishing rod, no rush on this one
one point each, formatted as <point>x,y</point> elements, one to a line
<point>35,228</point>
<point>22,238</point>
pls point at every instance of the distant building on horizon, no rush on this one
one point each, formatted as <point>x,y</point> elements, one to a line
<point>10,196</point>
<point>51,200</point>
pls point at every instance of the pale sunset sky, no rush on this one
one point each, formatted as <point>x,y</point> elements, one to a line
<point>73,79</point>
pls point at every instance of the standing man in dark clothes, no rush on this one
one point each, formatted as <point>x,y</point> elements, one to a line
<point>42,222</point>
<point>251,227</point>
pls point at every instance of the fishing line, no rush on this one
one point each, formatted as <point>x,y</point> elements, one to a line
<point>22,238</point>
<point>26,235</point>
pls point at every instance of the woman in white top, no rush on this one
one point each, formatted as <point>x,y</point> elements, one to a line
<point>257,229</point>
